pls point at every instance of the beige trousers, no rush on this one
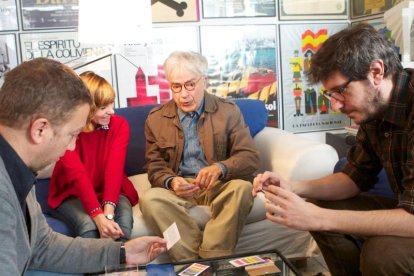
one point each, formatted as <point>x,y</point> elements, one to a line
<point>230,203</point>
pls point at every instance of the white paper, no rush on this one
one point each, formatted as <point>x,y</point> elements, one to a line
<point>172,235</point>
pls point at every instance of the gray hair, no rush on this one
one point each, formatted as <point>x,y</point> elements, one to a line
<point>190,61</point>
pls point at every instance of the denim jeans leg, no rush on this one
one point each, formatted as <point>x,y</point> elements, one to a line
<point>71,211</point>
<point>124,217</point>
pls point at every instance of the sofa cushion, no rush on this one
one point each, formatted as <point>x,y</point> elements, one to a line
<point>136,116</point>
<point>254,113</point>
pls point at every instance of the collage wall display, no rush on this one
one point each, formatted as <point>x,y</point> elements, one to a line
<point>8,15</point>
<point>8,54</point>
<point>140,74</point>
<point>313,9</point>
<point>262,57</point>
<point>305,108</point>
<point>243,64</point>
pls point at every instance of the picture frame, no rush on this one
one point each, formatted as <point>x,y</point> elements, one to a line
<point>8,54</point>
<point>243,63</point>
<point>370,7</point>
<point>49,14</point>
<point>313,9</point>
<point>140,74</point>
<point>8,16</point>
<point>305,108</point>
<point>175,11</point>
<point>239,8</point>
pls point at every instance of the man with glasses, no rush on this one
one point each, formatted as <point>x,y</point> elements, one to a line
<point>357,233</point>
<point>199,152</point>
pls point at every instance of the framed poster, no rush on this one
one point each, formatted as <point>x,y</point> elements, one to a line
<point>242,63</point>
<point>361,8</point>
<point>140,74</point>
<point>174,10</point>
<point>47,14</point>
<point>8,54</point>
<point>8,15</point>
<point>61,46</point>
<point>238,8</point>
<point>313,9</point>
<point>305,108</point>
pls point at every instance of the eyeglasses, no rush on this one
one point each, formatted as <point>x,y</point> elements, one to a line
<point>337,93</point>
<point>189,85</point>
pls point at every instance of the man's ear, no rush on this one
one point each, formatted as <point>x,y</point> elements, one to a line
<point>38,130</point>
<point>377,70</point>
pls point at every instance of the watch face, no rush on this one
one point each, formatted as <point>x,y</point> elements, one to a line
<point>110,217</point>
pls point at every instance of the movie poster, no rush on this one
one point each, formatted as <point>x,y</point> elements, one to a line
<point>140,74</point>
<point>8,15</point>
<point>174,11</point>
<point>8,54</point>
<point>238,8</point>
<point>305,108</point>
<point>313,9</point>
<point>49,14</point>
<point>242,63</point>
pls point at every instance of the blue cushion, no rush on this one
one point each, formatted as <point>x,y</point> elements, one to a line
<point>255,114</point>
<point>382,187</point>
<point>136,116</point>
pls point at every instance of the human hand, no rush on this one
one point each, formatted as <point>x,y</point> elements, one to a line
<point>108,228</point>
<point>207,176</point>
<point>143,250</point>
<point>261,181</point>
<point>183,188</point>
<point>285,207</point>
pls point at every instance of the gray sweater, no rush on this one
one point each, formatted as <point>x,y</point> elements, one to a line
<point>44,250</point>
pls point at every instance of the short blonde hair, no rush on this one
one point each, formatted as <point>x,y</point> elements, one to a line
<point>101,93</point>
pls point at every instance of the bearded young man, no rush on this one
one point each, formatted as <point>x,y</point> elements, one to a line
<point>365,80</point>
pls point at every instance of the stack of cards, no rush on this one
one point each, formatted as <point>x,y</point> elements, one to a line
<point>255,265</point>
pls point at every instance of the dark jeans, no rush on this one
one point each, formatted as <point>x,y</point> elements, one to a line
<point>71,211</point>
<point>357,255</point>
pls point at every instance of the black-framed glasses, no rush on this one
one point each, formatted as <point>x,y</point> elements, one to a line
<point>189,85</point>
<point>337,93</point>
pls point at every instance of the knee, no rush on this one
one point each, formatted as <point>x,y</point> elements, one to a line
<point>88,229</point>
<point>380,257</point>
<point>151,199</point>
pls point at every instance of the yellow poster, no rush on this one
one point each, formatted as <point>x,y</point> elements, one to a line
<point>374,4</point>
<point>174,10</point>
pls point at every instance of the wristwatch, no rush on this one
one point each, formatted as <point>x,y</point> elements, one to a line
<point>110,217</point>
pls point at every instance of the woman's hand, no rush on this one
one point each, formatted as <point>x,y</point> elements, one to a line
<point>108,228</point>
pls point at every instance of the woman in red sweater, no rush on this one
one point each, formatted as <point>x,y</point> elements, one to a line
<point>89,189</point>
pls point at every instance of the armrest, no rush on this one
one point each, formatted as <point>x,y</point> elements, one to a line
<point>292,156</point>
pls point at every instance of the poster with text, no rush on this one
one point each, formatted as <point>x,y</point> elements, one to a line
<point>242,63</point>
<point>8,54</point>
<point>8,15</point>
<point>305,108</point>
<point>49,14</point>
<point>174,11</point>
<point>238,8</point>
<point>140,74</point>
<point>313,9</point>
<point>361,8</point>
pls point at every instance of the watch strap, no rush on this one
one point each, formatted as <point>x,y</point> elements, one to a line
<point>122,254</point>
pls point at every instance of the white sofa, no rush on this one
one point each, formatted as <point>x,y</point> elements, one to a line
<point>294,158</point>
